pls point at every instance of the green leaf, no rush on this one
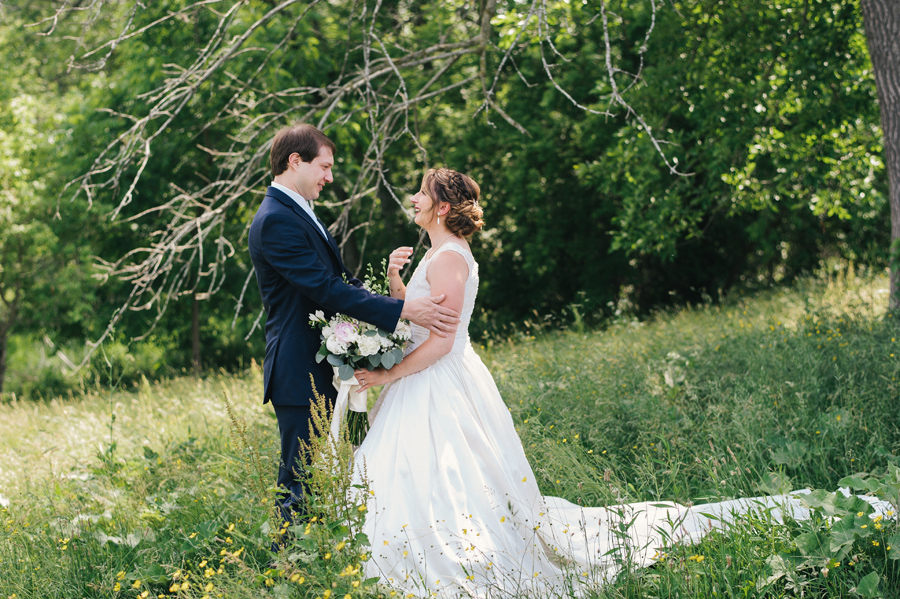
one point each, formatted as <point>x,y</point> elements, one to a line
<point>319,358</point>
<point>387,360</point>
<point>154,574</point>
<point>774,483</point>
<point>374,360</point>
<point>345,371</point>
<point>814,546</point>
<point>398,355</point>
<point>893,547</point>
<point>855,481</point>
<point>335,360</point>
<point>868,586</point>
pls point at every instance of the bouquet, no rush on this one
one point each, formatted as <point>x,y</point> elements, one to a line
<point>349,344</point>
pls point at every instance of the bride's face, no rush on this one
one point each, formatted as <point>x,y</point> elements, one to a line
<point>423,208</point>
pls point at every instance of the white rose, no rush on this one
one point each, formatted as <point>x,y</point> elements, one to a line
<point>403,330</point>
<point>334,346</point>
<point>368,346</point>
<point>327,331</point>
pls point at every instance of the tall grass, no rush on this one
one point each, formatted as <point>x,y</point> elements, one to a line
<point>148,491</point>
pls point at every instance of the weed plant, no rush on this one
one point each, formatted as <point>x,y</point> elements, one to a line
<point>164,490</point>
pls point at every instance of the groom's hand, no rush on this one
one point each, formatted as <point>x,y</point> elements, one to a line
<point>428,312</point>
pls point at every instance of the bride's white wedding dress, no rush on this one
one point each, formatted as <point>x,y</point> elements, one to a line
<point>455,509</point>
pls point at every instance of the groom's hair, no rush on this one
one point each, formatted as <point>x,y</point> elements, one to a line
<point>302,139</point>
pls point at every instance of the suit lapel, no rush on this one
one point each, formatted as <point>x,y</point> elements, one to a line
<point>277,194</point>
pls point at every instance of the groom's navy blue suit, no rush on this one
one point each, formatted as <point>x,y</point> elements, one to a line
<point>299,270</point>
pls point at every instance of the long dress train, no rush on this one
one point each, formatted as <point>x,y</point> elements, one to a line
<point>455,509</point>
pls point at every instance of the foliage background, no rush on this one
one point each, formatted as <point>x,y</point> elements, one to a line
<point>768,106</point>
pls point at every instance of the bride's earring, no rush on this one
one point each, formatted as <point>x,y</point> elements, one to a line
<point>439,220</point>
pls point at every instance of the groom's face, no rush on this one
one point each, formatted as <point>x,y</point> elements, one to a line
<point>310,177</point>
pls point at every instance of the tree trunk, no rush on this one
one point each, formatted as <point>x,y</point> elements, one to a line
<point>195,334</point>
<point>882,23</point>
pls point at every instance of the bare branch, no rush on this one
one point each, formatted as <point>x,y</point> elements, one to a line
<point>384,86</point>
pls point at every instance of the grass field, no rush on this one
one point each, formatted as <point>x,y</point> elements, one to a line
<point>151,491</point>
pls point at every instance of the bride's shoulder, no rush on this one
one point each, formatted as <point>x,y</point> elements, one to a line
<point>452,257</point>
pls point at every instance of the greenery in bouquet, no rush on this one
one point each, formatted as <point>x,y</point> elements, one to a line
<point>349,344</point>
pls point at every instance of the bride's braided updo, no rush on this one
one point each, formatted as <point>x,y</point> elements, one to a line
<point>461,192</point>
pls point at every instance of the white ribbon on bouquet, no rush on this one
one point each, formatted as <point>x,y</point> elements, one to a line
<point>347,399</point>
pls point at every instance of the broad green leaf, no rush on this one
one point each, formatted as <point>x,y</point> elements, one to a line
<point>893,547</point>
<point>868,586</point>
<point>855,481</point>
<point>345,372</point>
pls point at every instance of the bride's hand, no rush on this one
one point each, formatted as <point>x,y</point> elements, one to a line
<point>371,378</point>
<point>397,260</point>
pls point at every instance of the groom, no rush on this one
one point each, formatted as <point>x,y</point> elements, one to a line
<point>299,270</point>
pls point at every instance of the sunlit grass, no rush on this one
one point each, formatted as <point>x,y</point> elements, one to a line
<point>60,438</point>
<point>145,492</point>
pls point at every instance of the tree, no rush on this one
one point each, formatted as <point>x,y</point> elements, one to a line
<point>372,74</point>
<point>43,266</point>
<point>661,147</point>
<point>882,21</point>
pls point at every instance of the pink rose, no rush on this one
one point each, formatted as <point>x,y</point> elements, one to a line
<point>346,332</point>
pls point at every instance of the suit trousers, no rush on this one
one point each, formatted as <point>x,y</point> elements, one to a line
<point>294,424</point>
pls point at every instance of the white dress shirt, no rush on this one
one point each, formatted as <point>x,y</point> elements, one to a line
<point>301,201</point>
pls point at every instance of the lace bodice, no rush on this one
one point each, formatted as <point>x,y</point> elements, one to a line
<point>418,287</point>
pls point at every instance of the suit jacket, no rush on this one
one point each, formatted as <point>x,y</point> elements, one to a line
<point>298,272</point>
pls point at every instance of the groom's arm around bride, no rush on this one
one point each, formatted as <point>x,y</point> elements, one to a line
<point>299,270</point>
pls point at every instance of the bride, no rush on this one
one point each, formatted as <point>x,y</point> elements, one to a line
<point>455,509</point>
